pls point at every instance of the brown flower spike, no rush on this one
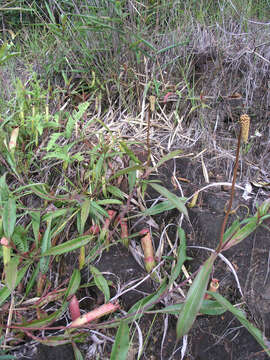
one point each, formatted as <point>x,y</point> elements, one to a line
<point>244,121</point>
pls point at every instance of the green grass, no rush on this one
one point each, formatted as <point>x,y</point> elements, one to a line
<point>77,137</point>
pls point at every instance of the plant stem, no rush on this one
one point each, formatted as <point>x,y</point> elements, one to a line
<point>219,248</point>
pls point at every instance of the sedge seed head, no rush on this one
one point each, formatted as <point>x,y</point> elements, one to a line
<point>245,122</point>
<point>152,100</point>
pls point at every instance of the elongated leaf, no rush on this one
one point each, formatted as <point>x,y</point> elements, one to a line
<point>149,299</point>
<point>9,217</point>
<point>84,214</point>
<point>7,357</point>
<point>69,245</point>
<point>11,272</point>
<point>175,200</point>
<point>4,191</point>
<point>44,321</point>
<point>181,256</point>
<point>74,118</point>
<point>74,283</point>
<point>256,333</point>
<point>115,191</point>
<point>97,172</point>
<point>242,233</point>
<point>265,217</point>
<point>194,298</point>
<point>147,43</point>
<point>231,230</point>
<point>97,210</point>
<point>35,216</point>
<point>101,282</point>
<point>45,245</point>
<point>209,307</point>
<point>121,343</point>
<point>54,137</point>
<point>264,208</point>
<point>109,202</point>
<point>167,157</point>
<point>159,208</point>
<point>31,281</point>
<point>59,154</point>
<point>55,214</point>
<point>62,339</point>
<point>182,43</point>
<point>77,353</point>
<point>126,171</point>
<point>132,177</point>
<point>124,148</point>
<point>5,292</point>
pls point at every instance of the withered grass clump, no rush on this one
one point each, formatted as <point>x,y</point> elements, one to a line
<point>245,122</point>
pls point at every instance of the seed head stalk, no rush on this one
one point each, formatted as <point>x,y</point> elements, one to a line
<point>243,135</point>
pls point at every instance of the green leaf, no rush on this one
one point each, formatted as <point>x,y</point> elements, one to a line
<point>147,43</point>
<point>84,214</point>
<point>264,218</point>
<point>125,149</point>
<point>74,118</point>
<point>121,343</point>
<point>256,333</point>
<point>115,191</point>
<point>54,137</point>
<point>20,238</point>
<point>69,245</point>
<point>181,256</point>
<point>125,171</point>
<point>55,214</point>
<point>44,321</point>
<point>159,208</point>
<point>45,245</point>
<point>74,283</point>
<point>150,299</point>
<point>5,292</point>
<point>231,230</point>
<point>109,202</point>
<point>63,339</point>
<point>194,298</point>
<point>31,281</point>
<point>242,233</point>
<point>263,209</point>
<point>78,157</point>
<point>132,177</point>
<point>101,282</point>
<point>77,353</point>
<point>175,200</point>
<point>138,309</point>
<point>39,190</point>
<point>97,172</point>
<point>209,307</point>
<point>97,210</point>
<point>181,43</point>
<point>11,272</point>
<point>35,216</point>
<point>9,217</point>
<point>167,157</point>
<point>4,191</point>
